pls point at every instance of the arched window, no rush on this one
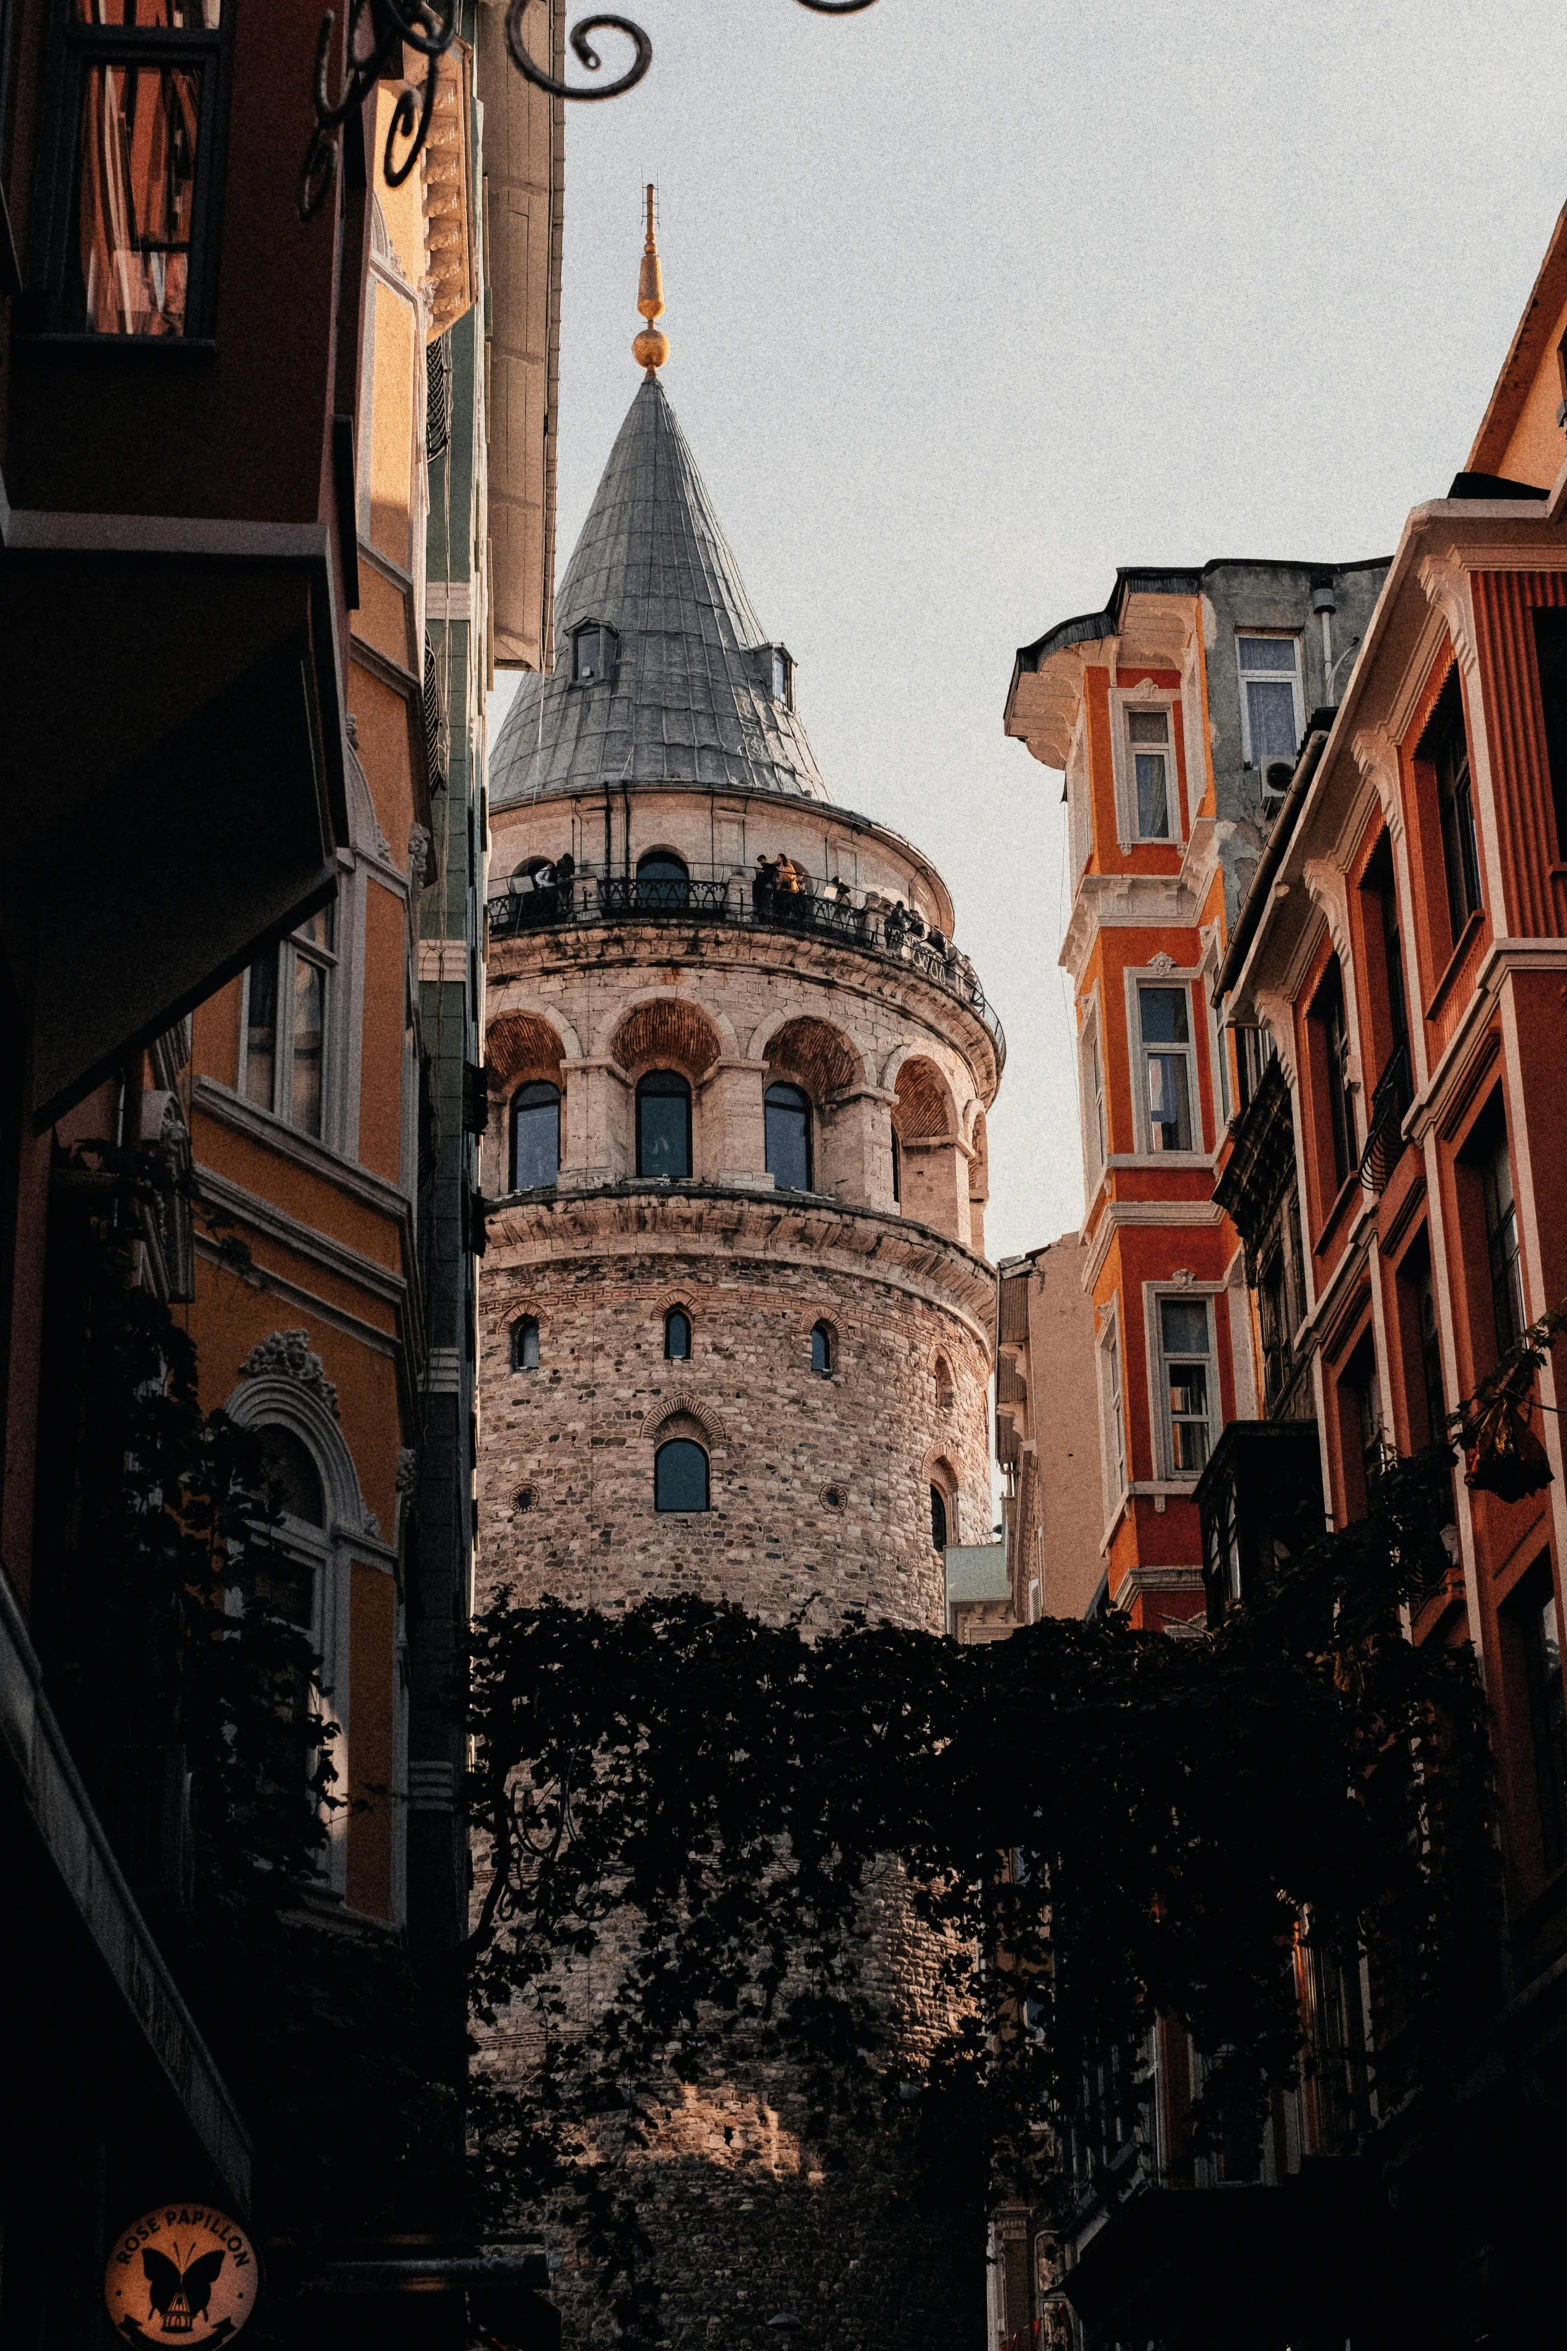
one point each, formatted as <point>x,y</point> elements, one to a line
<point>535,1135</point>
<point>897,1170</point>
<point>677,1336</point>
<point>945,1389</point>
<point>821,1349</point>
<point>938,1519</point>
<point>663,879</point>
<point>291,1480</point>
<point>663,1124</point>
<point>680,1476</point>
<point>525,1344</point>
<point>595,647</point>
<point>788,1114</point>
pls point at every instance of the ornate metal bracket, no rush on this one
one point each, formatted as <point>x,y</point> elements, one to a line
<point>582,45</point>
<point>378,32</point>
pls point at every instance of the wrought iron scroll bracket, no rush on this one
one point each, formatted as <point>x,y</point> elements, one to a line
<point>378,31</point>
<point>580,38</point>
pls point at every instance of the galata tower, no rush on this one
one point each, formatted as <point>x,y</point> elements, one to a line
<point>736,1318</point>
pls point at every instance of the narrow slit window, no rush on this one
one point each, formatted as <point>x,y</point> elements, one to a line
<point>938,1519</point>
<point>525,1344</point>
<point>677,1336</point>
<point>821,1350</point>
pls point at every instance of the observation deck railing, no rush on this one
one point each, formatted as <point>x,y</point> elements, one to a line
<point>720,894</point>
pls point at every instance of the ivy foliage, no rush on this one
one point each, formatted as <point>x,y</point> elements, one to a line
<point>178,1655</point>
<point>1099,1827</point>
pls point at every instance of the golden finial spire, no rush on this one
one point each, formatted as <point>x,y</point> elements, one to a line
<point>651,347</point>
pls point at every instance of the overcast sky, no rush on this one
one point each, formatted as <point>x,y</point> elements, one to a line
<point>972,300</point>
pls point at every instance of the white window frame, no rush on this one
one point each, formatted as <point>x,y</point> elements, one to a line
<point>331,961</point>
<point>1152,976</point>
<point>1093,1111</point>
<point>1291,638</point>
<point>1111,1361</point>
<point>1186,1293</point>
<point>1078,794</point>
<point>1123,701</point>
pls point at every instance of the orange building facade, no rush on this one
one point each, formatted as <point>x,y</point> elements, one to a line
<point>1406,958</point>
<point>1175,715</point>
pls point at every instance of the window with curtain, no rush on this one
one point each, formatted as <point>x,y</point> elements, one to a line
<point>787,1111</point>
<point>1164,1018</point>
<point>535,1135</point>
<point>135,229</point>
<point>1153,774</point>
<point>680,1476</point>
<point>288,989</point>
<point>664,1125</point>
<point>1270,703</point>
<point>1186,1351</point>
<point>677,1336</point>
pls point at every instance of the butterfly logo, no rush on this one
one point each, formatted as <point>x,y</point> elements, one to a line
<point>178,2297</point>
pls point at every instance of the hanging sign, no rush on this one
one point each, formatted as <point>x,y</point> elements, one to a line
<point>182,2274</point>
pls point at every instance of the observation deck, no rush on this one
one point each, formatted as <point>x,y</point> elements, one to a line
<point>727,895</point>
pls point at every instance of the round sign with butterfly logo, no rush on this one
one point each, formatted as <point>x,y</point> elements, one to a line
<point>184,2274</point>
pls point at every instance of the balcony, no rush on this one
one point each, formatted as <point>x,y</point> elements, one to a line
<point>1259,1502</point>
<point>1390,1100</point>
<point>720,894</point>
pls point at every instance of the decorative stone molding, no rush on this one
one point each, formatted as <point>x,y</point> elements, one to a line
<point>1376,756</point>
<point>407,1468</point>
<point>418,856</point>
<point>683,1405</point>
<point>1275,1010</point>
<point>1160,963</point>
<point>1447,587</point>
<point>1326,887</point>
<point>287,1355</point>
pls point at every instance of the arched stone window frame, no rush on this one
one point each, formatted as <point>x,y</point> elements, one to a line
<point>941,1479</point>
<point>674,1307</point>
<point>523,1326</point>
<point>275,1398</point>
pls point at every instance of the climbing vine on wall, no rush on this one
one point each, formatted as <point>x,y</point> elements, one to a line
<point>1102,1827</point>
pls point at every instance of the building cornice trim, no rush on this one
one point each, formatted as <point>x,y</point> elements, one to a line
<point>620,1219</point>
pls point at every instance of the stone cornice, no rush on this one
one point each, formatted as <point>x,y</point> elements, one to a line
<point>1141,901</point>
<point>629,1219</point>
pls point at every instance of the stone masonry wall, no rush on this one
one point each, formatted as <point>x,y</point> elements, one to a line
<point>820,1485</point>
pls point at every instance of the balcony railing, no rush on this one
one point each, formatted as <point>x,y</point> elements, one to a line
<point>720,895</point>
<point>1390,1100</point>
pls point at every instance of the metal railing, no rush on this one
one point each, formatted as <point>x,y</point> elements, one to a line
<point>1390,1100</point>
<point>720,894</point>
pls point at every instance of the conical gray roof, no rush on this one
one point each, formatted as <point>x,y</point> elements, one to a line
<point>691,698</point>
